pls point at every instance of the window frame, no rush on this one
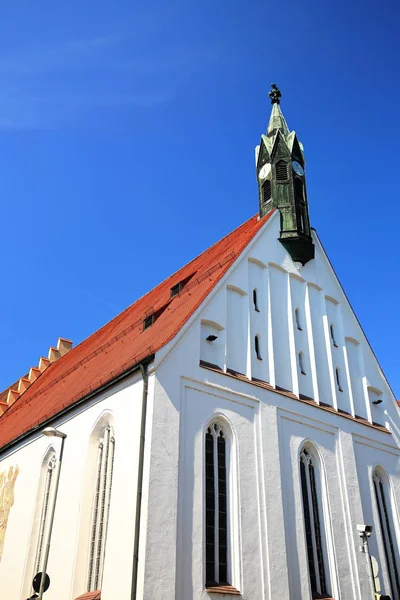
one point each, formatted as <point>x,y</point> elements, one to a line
<point>322,586</point>
<point>257,346</point>
<point>233,530</point>
<point>102,492</point>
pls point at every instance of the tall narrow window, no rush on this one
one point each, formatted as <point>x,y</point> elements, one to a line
<point>266,191</point>
<point>388,535</point>
<point>257,347</point>
<point>255,300</point>
<point>216,506</point>
<point>338,381</point>
<point>298,320</point>
<point>312,524</point>
<point>101,508</point>
<point>301,363</point>
<point>332,330</point>
<point>46,496</point>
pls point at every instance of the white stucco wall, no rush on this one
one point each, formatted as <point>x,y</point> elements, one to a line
<point>68,556</point>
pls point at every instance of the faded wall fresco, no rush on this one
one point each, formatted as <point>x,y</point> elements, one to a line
<point>7,484</point>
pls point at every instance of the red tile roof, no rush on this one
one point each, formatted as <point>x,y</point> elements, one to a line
<point>122,343</point>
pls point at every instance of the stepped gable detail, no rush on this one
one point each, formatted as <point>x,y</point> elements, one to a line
<point>11,394</point>
<point>124,342</point>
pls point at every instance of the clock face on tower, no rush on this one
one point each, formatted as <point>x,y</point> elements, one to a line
<point>264,171</point>
<point>298,168</point>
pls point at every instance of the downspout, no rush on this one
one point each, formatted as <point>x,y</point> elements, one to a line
<point>144,373</point>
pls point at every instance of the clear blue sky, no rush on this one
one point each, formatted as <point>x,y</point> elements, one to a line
<point>127,135</point>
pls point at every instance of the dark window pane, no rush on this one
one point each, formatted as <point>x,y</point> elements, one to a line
<point>210,510</point>
<point>317,531</point>
<point>307,524</point>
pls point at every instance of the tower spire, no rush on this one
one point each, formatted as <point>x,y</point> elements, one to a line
<point>276,120</point>
<point>282,182</point>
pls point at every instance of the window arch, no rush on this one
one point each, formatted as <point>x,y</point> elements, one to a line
<point>281,170</point>
<point>217,519</point>
<point>313,522</point>
<point>100,507</point>
<point>382,496</point>
<point>40,526</point>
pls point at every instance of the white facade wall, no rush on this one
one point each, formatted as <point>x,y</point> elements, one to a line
<point>68,558</point>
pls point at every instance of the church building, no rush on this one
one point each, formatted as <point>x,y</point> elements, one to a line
<point>230,434</point>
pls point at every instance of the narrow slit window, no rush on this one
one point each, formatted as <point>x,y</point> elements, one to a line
<point>338,381</point>
<point>255,300</point>
<point>333,338</point>
<point>281,170</point>
<point>388,535</point>
<point>257,347</point>
<point>301,364</point>
<point>216,507</point>
<point>298,320</point>
<point>101,508</point>
<point>312,524</point>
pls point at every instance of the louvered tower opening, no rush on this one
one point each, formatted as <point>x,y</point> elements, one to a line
<point>281,170</point>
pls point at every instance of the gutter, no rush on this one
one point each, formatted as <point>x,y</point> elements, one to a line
<point>145,377</point>
<point>145,362</point>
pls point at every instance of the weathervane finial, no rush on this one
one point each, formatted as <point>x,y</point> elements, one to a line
<point>275,94</point>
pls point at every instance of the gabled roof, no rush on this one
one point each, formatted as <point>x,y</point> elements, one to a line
<point>123,342</point>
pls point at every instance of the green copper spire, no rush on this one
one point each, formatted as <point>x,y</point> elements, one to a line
<point>281,180</point>
<point>276,120</point>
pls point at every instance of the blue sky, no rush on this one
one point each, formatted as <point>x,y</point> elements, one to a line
<point>127,135</point>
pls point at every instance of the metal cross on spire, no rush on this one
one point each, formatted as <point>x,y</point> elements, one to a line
<point>275,94</point>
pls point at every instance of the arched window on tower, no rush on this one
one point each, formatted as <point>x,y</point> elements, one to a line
<point>266,191</point>
<point>313,521</point>
<point>382,495</point>
<point>281,170</point>
<point>217,519</point>
<point>101,508</point>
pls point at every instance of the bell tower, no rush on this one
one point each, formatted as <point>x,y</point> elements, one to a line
<point>280,167</point>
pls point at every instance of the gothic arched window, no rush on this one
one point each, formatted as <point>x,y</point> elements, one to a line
<point>382,495</point>
<point>40,530</point>
<point>101,508</point>
<point>312,522</point>
<point>48,472</point>
<point>281,170</point>
<point>216,505</point>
